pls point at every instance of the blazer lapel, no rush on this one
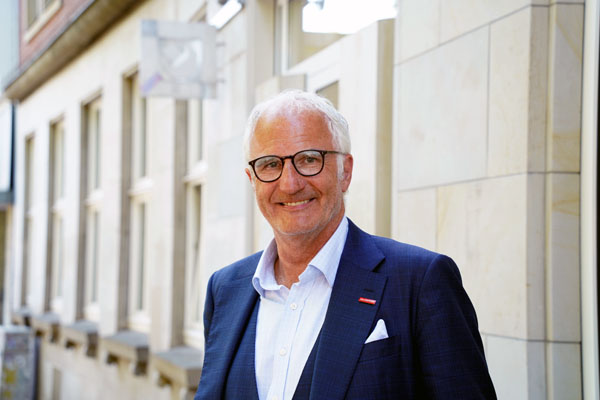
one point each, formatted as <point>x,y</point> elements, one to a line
<point>348,321</point>
<point>235,304</point>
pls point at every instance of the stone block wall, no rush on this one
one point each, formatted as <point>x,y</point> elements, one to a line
<point>486,169</point>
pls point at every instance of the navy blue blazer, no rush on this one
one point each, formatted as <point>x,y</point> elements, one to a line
<point>434,349</point>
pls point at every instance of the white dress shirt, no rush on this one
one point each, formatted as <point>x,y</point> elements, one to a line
<point>289,320</point>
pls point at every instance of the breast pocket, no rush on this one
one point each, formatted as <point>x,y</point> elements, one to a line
<point>381,348</point>
<point>384,371</point>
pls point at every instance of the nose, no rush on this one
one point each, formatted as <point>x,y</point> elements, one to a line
<point>290,180</point>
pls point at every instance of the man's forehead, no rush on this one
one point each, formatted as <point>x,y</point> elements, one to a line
<point>290,114</point>
<point>287,123</point>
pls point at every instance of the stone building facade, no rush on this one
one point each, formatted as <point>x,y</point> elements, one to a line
<point>467,120</point>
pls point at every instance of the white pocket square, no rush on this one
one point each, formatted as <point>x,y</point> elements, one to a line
<point>380,332</point>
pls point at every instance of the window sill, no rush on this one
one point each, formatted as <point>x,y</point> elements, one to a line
<point>127,347</point>
<point>197,173</point>
<point>140,187</point>
<point>179,367</point>
<point>94,198</point>
<point>21,317</point>
<point>81,334</point>
<point>46,326</point>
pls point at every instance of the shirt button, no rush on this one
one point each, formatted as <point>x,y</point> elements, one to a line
<point>283,351</point>
<point>293,306</point>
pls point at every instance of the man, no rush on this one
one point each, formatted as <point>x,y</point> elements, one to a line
<point>328,311</point>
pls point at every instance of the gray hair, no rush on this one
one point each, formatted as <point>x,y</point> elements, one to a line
<point>298,100</point>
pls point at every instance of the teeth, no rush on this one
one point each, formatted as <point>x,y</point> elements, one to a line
<point>296,203</point>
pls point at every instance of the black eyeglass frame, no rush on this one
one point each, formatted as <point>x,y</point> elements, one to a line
<point>291,157</point>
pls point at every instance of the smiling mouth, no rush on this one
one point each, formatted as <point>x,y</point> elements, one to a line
<point>296,203</point>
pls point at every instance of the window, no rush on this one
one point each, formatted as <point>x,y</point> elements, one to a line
<point>138,119</point>
<point>57,208</point>
<point>57,261</point>
<point>35,9</point>
<point>305,27</point>
<point>194,289</point>
<point>38,13</point>
<point>29,173</point>
<point>29,195</point>
<point>138,257</point>
<point>92,238</point>
<point>140,184</point>
<point>92,200</point>
<point>194,180</point>
<point>195,132</point>
<point>303,44</point>
<point>93,145</point>
<point>58,161</point>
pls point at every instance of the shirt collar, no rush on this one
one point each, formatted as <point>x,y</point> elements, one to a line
<point>263,278</point>
<point>326,260</point>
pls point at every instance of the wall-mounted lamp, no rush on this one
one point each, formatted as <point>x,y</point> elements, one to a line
<point>228,10</point>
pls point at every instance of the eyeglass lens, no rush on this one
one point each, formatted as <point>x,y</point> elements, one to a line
<point>307,163</point>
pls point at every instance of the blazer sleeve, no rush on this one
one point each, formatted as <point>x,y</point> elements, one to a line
<point>206,377</point>
<point>450,350</point>
<point>209,307</point>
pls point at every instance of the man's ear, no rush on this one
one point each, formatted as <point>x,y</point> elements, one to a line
<point>347,174</point>
<point>250,176</point>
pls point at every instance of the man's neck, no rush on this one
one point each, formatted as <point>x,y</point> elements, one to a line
<point>295,252</point>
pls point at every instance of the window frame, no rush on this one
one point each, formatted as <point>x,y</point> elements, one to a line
<point>194,181</point>
<point>91,306</point>
<point>194,261</point>
<point>195,133</point>
<point>139,191</point>
<point>92,204</point>
<point>28,217</point>
<point>138,299</point>
<point>56,217</point>
<point>93,128</point>
<point>139,129</point>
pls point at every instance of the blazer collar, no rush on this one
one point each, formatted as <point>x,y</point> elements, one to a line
<point>348,321</point>
<point>359,250</point>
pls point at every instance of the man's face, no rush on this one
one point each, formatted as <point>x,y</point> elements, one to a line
<point>295,204</point>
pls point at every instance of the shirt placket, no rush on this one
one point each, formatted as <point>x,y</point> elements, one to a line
<point>294,304</point>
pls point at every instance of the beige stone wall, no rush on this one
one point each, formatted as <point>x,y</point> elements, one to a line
<point>486,169</point>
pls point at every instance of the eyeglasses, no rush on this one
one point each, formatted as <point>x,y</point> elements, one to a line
<point>306,162</point>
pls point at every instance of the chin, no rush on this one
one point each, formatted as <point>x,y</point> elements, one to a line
<point>304,226</point>
<point>298,230</point>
